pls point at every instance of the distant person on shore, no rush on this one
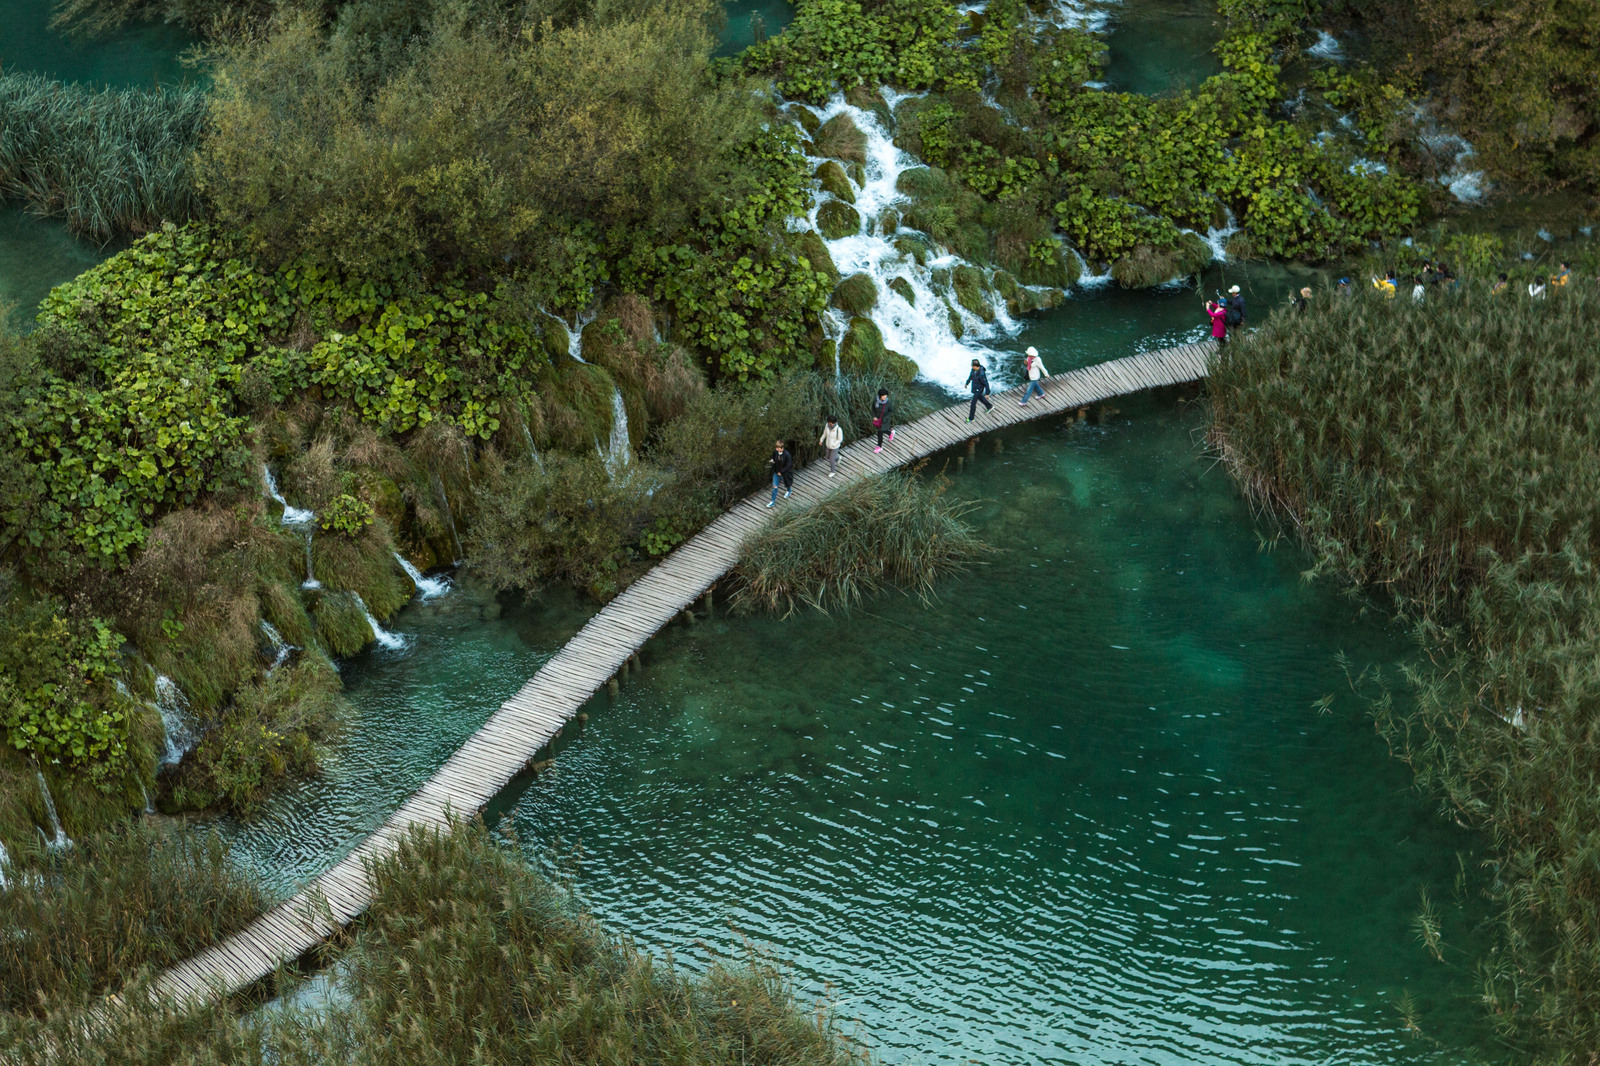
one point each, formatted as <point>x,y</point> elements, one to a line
<point>1501,284</point>
<point>1535,291</point>
<point>1387,284</point>
<point>1343,288</point>
<point>1036,370</point>
<point>782,464</point>
<point>880,418</point>
<point>1418,291</point>
<point>1301,300</point>
<point>978,381</point>
<point>1560,278</point>
<point>832,440</point>
<point>1219,322</point>
<point>1235,307</point>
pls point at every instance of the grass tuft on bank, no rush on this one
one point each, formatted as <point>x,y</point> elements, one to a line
<point>1444,454</point>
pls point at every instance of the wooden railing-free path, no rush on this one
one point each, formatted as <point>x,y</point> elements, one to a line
<point>529,720</point>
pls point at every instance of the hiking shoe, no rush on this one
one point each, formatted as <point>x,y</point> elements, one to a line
<point>772,503</point>
<point>969,420</point>
<point>1022,403</point>
<point>833,473</point>
<point>879,448</point>
<point>891,436</point>
<point>786,493</point>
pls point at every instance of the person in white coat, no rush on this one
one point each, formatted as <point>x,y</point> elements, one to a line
<point>832,439</point>
<point>1036,370</point>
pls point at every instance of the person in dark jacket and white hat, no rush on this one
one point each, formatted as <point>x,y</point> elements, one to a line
<point>1235,305</point>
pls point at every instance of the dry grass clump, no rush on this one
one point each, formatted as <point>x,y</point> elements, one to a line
<point>894,530</point>
<point>1446,454</point>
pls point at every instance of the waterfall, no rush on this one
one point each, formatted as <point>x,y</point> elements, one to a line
<point>392,641</point>
<point>5,860</point>
<point>921,329</point>
<point>175,719</point>
<point>444,501</point>
<point>311,581</point>
<point>617,454</point>
<point>280,647</point>
<point>427,587</point>
<point>149,808</point>
<point>575,334</point>
<point>292,516</point>
<point>61,840</point>
<point>1327,47</point>
<point>532,450</point>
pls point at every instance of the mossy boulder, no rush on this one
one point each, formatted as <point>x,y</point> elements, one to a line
<point>862,349</point>
<point>957,327</point>
<point>857,172</point>
<point>1061,272</point>
<point>903,287</point>
<point>827,356</point>
<point>836,219</point>
<point>856,295</point>
<point>342,626</point>
<point>831,174</point>
<point>1149,265</point>
<point>554,334</point>
<point>839,138</point>
<point>889,222</point>
<point>900,367</point>
<point>923,183</point>
<point>913,248</point>
<point>969,286</point>
<point>805,116</point>
<point>1019,300</point>
<point>282,606</point>
<point>1048,298</point>
<point>364,565</point>
<point>813,251</point>
<point>870,99</point>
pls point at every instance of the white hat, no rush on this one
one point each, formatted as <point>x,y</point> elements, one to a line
<point>1034,352</point>
<point>1234,291</point>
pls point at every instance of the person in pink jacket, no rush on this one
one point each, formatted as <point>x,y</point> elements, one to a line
<point>1219,325</point>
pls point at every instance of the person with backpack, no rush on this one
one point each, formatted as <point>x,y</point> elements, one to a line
<point>978,381</point>
<point>1036,370</point>
<point>782,464</point>
<point>880,418</point>
<point>1234,305</point>
<point>832,440</point>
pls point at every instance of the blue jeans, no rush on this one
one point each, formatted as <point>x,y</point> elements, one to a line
<point>1035,388</point>
<point>777,479</point>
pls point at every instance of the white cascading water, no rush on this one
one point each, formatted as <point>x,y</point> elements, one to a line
<point>444,501</point>
<point>311,581</point>
<point>427,587</point>
<point>175,719</point>
<point>292,515</point>
<point>5,861</point>
<point>617,453</point>
<point>392,641</point>
<point>60,839</point>
<point>921,332</point>
<point>280,647</point>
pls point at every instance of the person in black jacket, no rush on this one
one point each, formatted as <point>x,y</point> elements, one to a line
<point>782,463</point>
<point>978,381</point>
<point>880,418</point>
<point>1235,305</point>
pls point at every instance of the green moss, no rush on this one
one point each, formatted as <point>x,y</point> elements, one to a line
<point>912,247</point>
<point>889,222</point>
<point>1146,265</point>
<point>835,220</point>
<point>827,356</point>
<point>861,351</point>
<point>364,565</point>
<point>805,116</point>
<point>282,606</point>
<point>813,251</point>
<point>833,179</point>
<point>870,99</point>
<point>554,335</point>
<point>1059,270</point>
<point>901,367</point>
<point>838,138</point>
<point>903,287</point>
<point>856,295</point>
<point>968,283</point>
<point>923,183</point>
<point>342,627</point>
<point>957,328</point>
<point>575,405</point>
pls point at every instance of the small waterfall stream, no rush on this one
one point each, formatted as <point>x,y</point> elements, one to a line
<point>427,587</point>
<point>617,453</point>
<point>280,647</point>
<point>60,840</point>
<point>5,861</point>
<point>449,516</point>
<point>292,515</point>
<point>175,719</point>
<point>392,641</point>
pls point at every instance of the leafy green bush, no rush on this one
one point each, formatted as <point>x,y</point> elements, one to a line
<point>347,515</point>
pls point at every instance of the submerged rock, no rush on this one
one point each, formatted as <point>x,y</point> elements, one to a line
<point>856,295</point>
<point>903,287</point>
<point>833,179</point>
<point>836,220</point>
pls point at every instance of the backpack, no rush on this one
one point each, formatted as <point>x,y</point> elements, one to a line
<point>1234,315</point>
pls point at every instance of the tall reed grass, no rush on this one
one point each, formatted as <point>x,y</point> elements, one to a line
<point>895,530</point>
<point>1447,455</point>
<point>109,161</point>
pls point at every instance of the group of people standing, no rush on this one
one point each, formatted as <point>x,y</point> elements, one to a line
<point>832,439</point>
<point>1226,313</point>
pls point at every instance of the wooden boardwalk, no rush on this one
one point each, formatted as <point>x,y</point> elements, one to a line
<point>529,720</point>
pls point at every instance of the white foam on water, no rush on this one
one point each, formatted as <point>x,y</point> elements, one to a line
<point>1327,46</point>
<point>292,515</point>
<point>60,839</point>
<point>175,719</point>
<point>427,587</point>
<point>575,334</point>
<point>386,639</point>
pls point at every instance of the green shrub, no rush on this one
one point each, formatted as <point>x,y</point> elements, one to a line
<point>346,515</point>
<point>893,530</point>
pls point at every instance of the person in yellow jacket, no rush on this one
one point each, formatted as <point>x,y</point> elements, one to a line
<point>1386,285</point>
<point>1562,276</point>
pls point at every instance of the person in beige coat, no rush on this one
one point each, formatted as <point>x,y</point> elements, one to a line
<point>1036,370</point>
<point>832,439</point>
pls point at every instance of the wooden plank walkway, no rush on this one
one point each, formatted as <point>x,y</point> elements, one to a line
<point>529,720</point>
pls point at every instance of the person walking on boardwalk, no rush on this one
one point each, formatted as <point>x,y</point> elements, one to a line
<point>1219,322</point>
<point>880,418</point>
<point>978,381</point>
<point>1036,370</point>
<point>782,464</point>
<point>832,439</point>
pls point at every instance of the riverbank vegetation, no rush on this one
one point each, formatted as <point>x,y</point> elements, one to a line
<point>465,955</point>
<point>890,531</point>
<point>1442,454</point>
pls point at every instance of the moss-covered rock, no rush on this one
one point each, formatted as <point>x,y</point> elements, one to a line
<point>870,99</point>
<point>903,287</point>
<point>1147,265</point>
<point>805,116</point>
<point>554,334</point>
<point>282,606</point>
<point>812,250</point>
<point>831,174</point>
<point>1061,271</point>
<point>957,327</point>
<point>923,183</point>
<point>1048,298</point>
<point>968,283</point>
<point>862,349</point>
<point>827,360</point>
<point>836,219</point>
<point>838,138</point>
<point>902,368</point>
<point>889,222</point>
<point>857,172</point>
<point>913,247</point>
<point>364,565</point>
<point>856,295</point>
<point>342,626</point>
